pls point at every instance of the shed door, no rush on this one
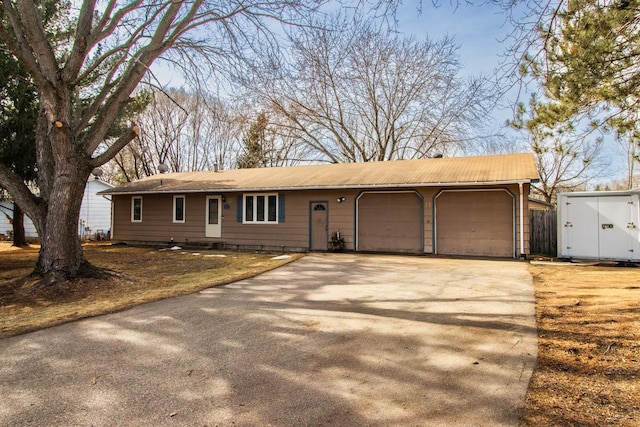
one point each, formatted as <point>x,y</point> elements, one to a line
<point>580,229</point>
<point>599,227</point>
<point>616,232</point>
<point>475,223</point>
<point>390,222</point>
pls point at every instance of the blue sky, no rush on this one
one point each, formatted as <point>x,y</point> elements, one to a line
<point>480,31</point>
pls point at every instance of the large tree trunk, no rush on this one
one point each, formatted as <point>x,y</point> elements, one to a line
<point>61,256</point>
<point>19,238</point>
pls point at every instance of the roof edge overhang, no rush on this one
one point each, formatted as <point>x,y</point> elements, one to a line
<point>319,187</point>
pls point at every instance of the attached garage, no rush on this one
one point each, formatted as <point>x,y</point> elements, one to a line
<point>471,206</point>
<point>475,222</point>
<point>390,222</point>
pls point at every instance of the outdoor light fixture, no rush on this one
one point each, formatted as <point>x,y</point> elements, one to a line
<point>340,199</point>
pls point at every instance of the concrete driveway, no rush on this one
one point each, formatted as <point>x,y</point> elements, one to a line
<point>343,340</point>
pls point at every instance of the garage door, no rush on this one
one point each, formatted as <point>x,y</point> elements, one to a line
<point>477,223</point>
<point>390,222</point>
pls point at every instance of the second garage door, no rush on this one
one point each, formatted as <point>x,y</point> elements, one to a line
<point>390,222</point>
<point>475,222</point>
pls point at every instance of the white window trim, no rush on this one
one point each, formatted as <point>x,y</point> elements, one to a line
<point>133,198</point>
<point>184,209</point>
<point>255,208</point>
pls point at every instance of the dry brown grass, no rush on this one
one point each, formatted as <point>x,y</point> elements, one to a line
<point>142,275</point>
<point>588,371</point>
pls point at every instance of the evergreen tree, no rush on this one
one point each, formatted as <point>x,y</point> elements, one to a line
<point>254,144</point>
<point>589,67</point>
<point>19,113</point>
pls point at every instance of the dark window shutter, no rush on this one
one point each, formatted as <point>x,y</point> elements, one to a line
<point>280,207</point>
<point>239,209</point>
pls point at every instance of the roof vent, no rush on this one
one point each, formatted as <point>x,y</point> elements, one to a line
<point>437,156</point>
<point>163,168</point>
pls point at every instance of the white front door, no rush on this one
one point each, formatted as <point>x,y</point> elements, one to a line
<point>213,224</point>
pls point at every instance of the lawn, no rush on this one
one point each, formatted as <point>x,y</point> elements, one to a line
<point>588,371</point>
<point>141,275</point>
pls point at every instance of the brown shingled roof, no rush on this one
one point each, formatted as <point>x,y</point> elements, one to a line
<point>508,168</point>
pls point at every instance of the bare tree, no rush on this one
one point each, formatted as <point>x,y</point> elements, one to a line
<point>84,84</point>
<point>182,130</point>
<point>355,93</point>
<point>631,151</point>
<point>565,164</point>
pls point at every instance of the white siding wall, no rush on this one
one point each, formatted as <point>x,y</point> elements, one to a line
<point>95,212</point>
<point>6,228</point>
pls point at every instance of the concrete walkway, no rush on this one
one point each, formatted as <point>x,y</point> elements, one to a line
<point>341,340</point>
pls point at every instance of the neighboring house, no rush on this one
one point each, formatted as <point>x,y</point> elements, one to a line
<point>475,206</point>
<point>6,218</point>
<point>95,213</point>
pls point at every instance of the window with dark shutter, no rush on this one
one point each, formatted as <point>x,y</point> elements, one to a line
<point>261,209</point>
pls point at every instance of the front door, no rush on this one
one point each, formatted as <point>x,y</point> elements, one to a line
<point>213,224</point>
<point>319,226</point>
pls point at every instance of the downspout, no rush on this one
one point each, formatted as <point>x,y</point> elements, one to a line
<point>112,217</point>
<point>520,187</point>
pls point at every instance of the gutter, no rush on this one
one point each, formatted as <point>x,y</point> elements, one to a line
<point>317,187</point>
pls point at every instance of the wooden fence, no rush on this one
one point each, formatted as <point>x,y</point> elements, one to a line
<point>543,232</point>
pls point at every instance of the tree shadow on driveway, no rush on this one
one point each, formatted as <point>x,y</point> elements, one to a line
<point>328,340</point>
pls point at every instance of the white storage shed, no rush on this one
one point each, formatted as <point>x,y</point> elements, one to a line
<point>599,225</point>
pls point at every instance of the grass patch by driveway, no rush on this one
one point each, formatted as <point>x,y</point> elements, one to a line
<point>588,371</point>
<point>143,275</point>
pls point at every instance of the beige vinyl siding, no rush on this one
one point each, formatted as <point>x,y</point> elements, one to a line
<point>290,233</point>
<point>157,220</point>
<point>294,231</point>
<point>427,198</point>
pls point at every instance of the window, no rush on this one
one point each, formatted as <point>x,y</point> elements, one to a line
<point>136,209</point>
<point>260,209</point>
<point>178,208</point>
